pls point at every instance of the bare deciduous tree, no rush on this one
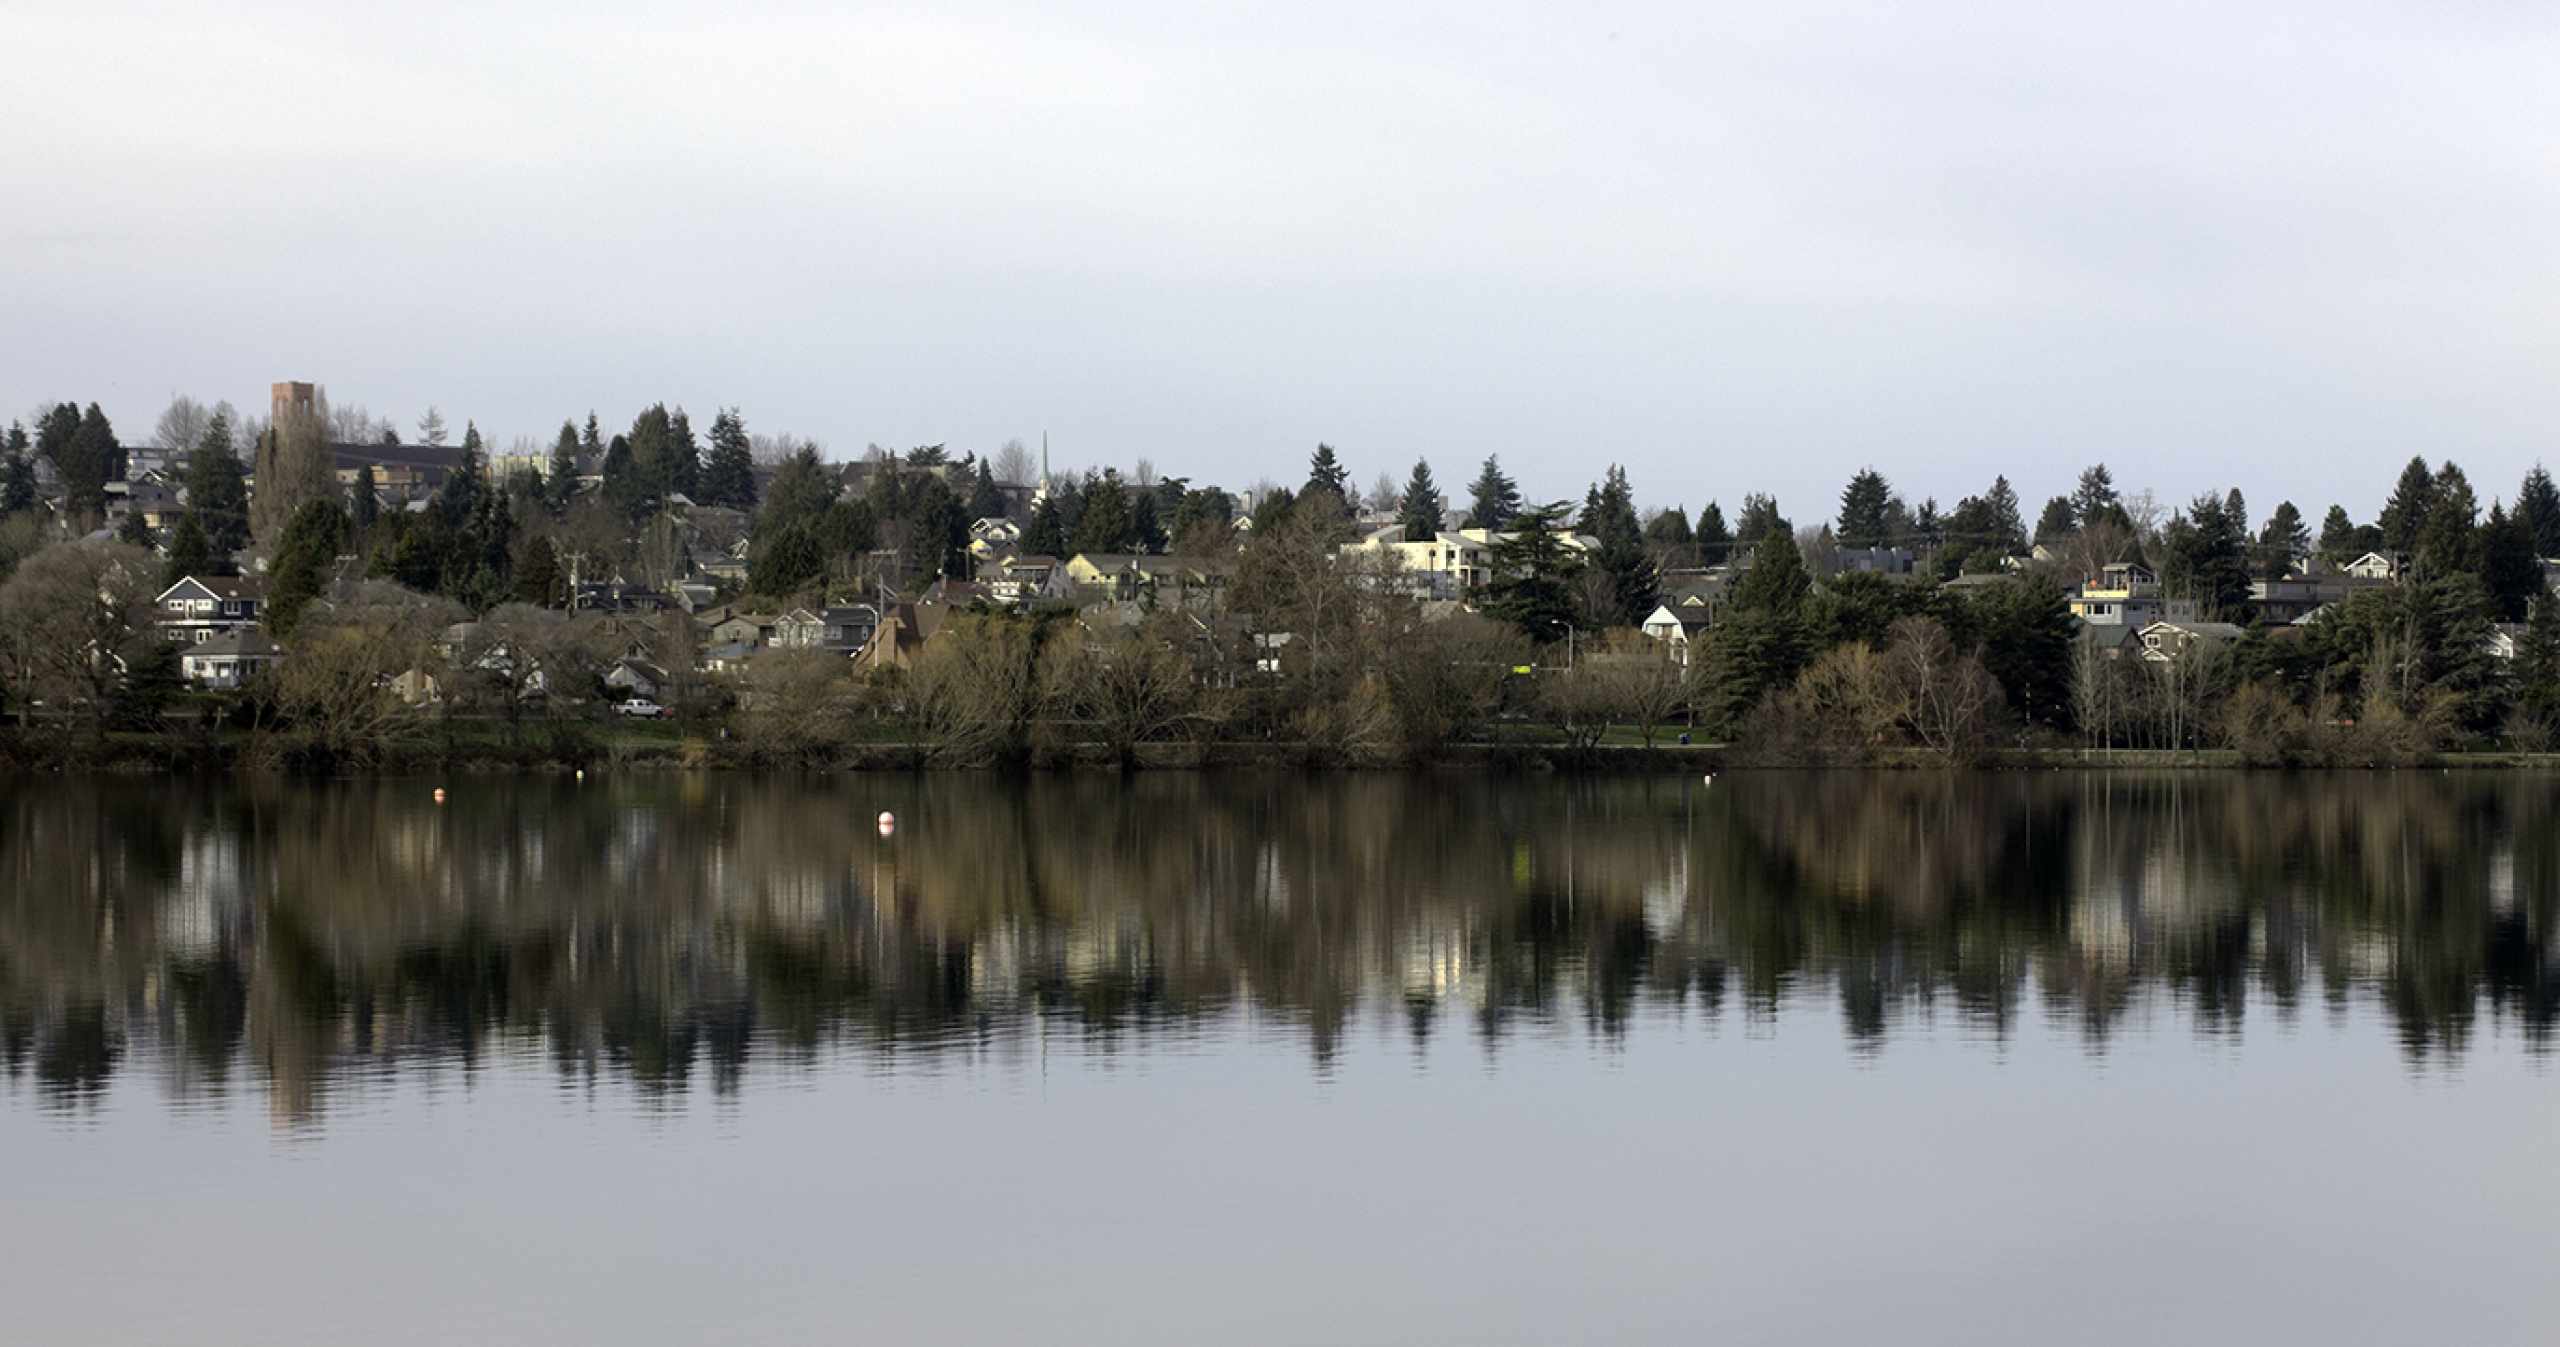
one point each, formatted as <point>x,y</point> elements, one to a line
<point>1015,466</point>
<point>181,424</point>
<point>1133,685</point>
<point>1950,696</point>
<point>71,618</point>
<point>799,704</point>
<point>338,684</point>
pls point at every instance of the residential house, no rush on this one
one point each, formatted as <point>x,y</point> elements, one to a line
<point>2121,594</point>
<point>994,536</point>
<point>840,629</point>
<point>228,660</point>
<point>2373,566</point>
<point>1873,560</point>
<point>1445,565</point>
<point>1027,580</point>
<point>616,596</point>
<point>403,474</point>
<point>635,677</point>
<point>903,630</point>
<point>2165,641</point>
<point>729,657</point>
<point>201,607</point>
<point>1681,627</point>
<point>2505,639</point>
<point>1173,581</point>
<point>753,630</point>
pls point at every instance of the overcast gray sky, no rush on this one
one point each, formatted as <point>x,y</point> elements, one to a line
<point>1736,247</point>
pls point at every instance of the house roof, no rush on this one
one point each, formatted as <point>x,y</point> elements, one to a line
<point>2218,630</point>
<point>219,586</point>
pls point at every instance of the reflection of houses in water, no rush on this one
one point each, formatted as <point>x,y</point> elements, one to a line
<point>1433,964</point>
<point>210,900</point>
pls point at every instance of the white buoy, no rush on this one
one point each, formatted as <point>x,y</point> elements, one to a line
<point>888,823</point>
<point>1708,780</point>
<point>582,774</point>
<point>439,795</point>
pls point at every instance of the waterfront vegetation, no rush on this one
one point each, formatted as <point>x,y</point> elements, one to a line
<point>454,626</point>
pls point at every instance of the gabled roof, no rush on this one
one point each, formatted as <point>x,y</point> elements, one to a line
<point>218,587</point>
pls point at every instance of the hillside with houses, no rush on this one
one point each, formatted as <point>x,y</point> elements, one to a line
<point>334,586</point>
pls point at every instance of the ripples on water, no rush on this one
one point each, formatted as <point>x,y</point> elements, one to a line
<point>667,937</point>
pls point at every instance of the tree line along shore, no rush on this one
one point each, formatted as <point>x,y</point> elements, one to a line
<point>307,590</point>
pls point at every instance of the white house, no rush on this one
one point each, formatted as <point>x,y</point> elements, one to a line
<point>1681,627</point>
<point>2374,566</point>
<point>2165,641</point>
<point>227,660</point>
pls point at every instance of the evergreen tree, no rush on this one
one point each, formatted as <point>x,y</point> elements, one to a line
<point>684,457</point>
<point>55,431</point>
<point>87,463</point>
<point>1777,581</point>
<point>2008,527</point>
<point>368,498</point>
<point>986,499</point>
<point>459,498</point>
<point>729,473</point>
<point>2405,514</point>
<point>1634,585</point>
<point>217,488</point>
<point>591,439</point>
<point>1715,542</point>
<point>802,489</point>
<point>1418,509</point>
<point>2508,568</point>
<point>1326,473</point>
<point>2058,522</point>
<point>561,482</point>
<point>17,473</point>
<point>2096,495</point>
<point>1494,499</point>
<point>1760,518</point>
<point>1533,571</point>
<point>2284,539</point>
<point>787,558</point>
<point>304,557</point>
<point>190,551</point>
<point>2538,505</point>
<point>626,488</point>
<point>1046,536</point>
<point>538,578</point>
<point>2024,629</point>
<point>2340,541</point>
<point>1669,533</point>
<point>2235,512</point>
<point>1105,525</point>
<point>2448,541</point>
<point>431,428</point>
<point>2537,667</point>
<point>2207,558</point>
<point>1146,532</point>
<point>1862,509</point>
<point>1206,509</point>
<point>133,532</point>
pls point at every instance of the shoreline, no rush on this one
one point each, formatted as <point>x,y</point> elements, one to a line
<point>23,754</point>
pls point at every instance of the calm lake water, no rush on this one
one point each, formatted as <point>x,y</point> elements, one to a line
<point>2023,1058</point>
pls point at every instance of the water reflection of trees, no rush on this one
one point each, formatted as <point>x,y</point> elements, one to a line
<point>664,930</point>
